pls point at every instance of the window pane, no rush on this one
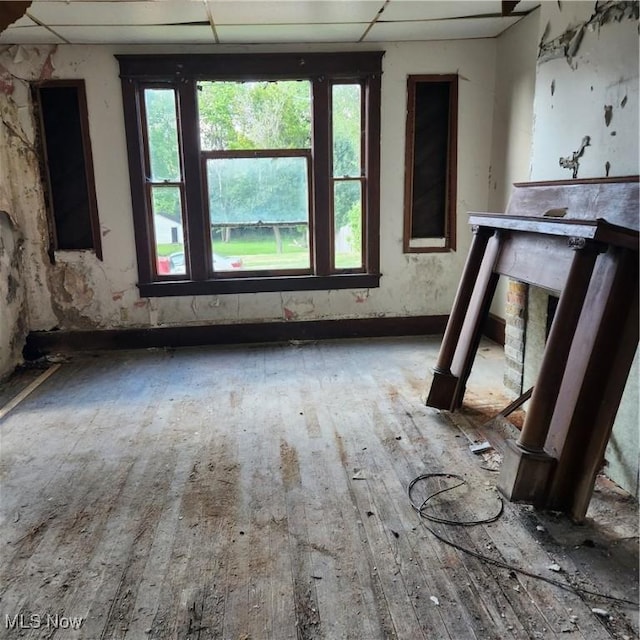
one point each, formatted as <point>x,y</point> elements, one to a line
<point>167,223</point>
<point>259,209</point>
<point>347,207</point>
<point>162,131</point>
<point>429,174</point>
<point>346,116</point>
<point>255,115</point>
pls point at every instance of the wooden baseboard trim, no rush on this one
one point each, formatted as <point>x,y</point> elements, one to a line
<point>40,343</point>
<point>494,328</point>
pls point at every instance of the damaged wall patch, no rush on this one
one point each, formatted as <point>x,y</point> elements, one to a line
<point>573,161</point>
<point>568,44</point>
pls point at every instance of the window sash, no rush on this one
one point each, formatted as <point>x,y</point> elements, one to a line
<point>361,176</point>
<point>361,180</point>
<point>149,183</point>
<point>265,153</point>
<point>150,186</point>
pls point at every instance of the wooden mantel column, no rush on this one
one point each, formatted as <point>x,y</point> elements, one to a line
<point>442,394</point>
<point>527,468</point>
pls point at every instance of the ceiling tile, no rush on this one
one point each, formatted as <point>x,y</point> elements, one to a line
<point>28,35</point>
<point>438,9</point>
<point>292,33</point>
<point>105,12</point>
<point>439,29</point>
<point>226,12</point>
<point>156,34</point>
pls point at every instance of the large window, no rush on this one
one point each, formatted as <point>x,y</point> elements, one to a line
<point>254,173</point>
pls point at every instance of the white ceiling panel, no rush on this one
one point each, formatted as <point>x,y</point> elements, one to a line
<point>438,9</point>
<point>293,33</point>
<point>156,34</point>
<point>438,29</point>
<point>28,35</point>
<point>442,9</point>
<point>55,13</point>
<point>240,12</point>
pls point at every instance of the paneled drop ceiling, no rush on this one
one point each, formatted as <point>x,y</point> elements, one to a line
<point>259,21</point>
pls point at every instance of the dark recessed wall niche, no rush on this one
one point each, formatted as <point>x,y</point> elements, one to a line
<point>430,163</point>
<point>67,167</point>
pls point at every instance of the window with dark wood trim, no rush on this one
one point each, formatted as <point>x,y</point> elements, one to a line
<point>430,163</point>
<point>67,166</point>
<point>332,190</point>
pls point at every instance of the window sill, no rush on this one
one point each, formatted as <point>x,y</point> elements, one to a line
<point>445,249</point>
<point>257,285</point>
<point>442,244</point>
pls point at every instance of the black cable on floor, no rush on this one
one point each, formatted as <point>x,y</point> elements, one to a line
<point>425,515</point>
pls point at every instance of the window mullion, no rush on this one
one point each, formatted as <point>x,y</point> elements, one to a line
<point>371,204</point>
<point>198,229</point>
<point>322,218</point>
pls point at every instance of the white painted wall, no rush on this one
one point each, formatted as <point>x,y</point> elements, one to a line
<point>571,97</point>
<point>569,104</point>
<point>80,292</point>
<point>516,52</point>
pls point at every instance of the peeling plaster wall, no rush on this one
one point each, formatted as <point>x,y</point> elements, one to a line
<point>13,318</point>
<point>587,85</point>
<point>516,54</point>
<point>80,292</point>
<point>22,223</point>
<point>11,278</point>
<point>590,91</point>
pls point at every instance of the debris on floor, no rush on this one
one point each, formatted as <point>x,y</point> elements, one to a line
<point>480,447</point>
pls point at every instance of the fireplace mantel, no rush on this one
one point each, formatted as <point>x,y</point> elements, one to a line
<point>578,239</point>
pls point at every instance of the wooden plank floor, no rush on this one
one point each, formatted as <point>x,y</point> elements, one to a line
<point>260,492</point>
